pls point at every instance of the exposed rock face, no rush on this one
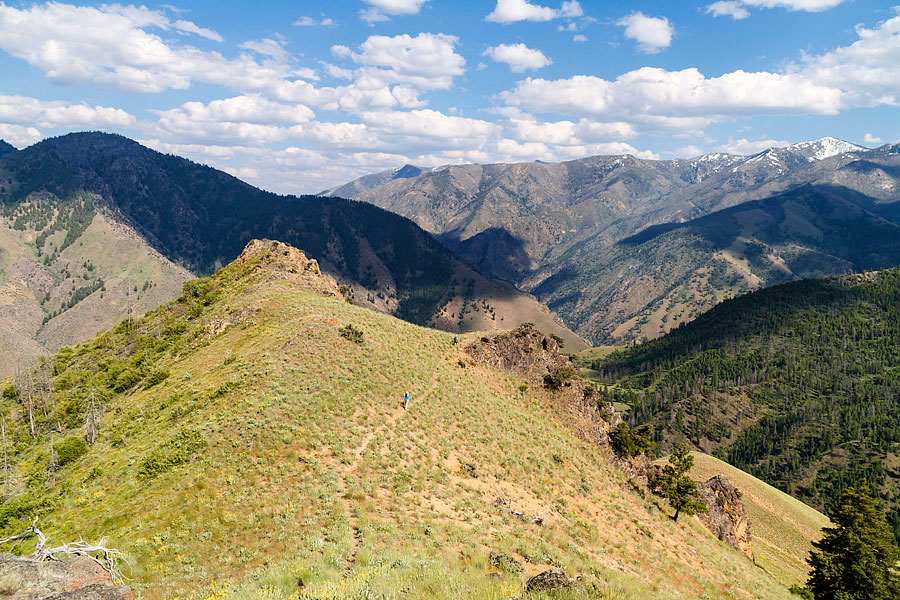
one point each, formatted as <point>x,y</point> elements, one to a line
<point>553,580</point>
<point>525,351</point>
<point>727,517</point>
<point>639,469</point>
<point>535,356</point>
<point>282,261</point>
<point>77,578</point>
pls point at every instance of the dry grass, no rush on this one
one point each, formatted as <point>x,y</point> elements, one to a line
<point>313,471</point>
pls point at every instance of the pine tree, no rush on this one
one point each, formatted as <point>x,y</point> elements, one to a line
<point>856,559</point>
<point>675,484</point>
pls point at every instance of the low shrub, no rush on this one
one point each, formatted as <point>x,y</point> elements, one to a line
<point>69,450</point>
<point>176,451</point>
<point>352,333</point>
<point>505,563</point>
<point>559,377</point>
<point>156,376</point>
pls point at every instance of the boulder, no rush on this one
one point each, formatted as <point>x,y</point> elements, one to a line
<point>553,580</point>
<point>727,517</point>
<point>72,578</point>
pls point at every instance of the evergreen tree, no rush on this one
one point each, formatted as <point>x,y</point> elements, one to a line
<point>675,484</point>
<point>627,442</point>
<point>857,559</point>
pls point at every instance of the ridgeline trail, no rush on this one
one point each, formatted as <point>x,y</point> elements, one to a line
<point>353,466</point>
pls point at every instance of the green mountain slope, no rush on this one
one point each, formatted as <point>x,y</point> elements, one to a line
<point>249,439</point>
<point>198,218</point>
<point>796,384</point>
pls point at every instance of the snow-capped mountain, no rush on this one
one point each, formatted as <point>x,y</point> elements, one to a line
<point>823,148</point>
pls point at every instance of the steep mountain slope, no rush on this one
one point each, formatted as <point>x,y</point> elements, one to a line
<point>200,218</point>
<point>253,438</point>
<point>667,275</point>
<point>555,229</point>
<point>797,384</point>
<point>61,288</point>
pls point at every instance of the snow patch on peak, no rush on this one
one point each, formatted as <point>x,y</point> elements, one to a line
<point>824,148</point>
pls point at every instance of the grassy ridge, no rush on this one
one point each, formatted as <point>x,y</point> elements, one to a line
<point>247,445</point>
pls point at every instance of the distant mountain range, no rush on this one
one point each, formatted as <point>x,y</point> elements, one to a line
<point>625,248</point>
<point>95,227</point>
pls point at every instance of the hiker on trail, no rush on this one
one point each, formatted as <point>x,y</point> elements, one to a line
<point>406,401</point>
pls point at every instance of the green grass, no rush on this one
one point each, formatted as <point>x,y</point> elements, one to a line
<point>311,470</point>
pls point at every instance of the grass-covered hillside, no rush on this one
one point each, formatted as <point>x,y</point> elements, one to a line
<point>96,227</point>
<point>796,384</point>
<point>251,435</point>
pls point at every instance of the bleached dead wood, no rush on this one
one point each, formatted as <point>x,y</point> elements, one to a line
<point>503,502</point>
<point>107,558</point>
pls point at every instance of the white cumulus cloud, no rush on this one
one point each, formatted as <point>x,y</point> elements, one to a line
<point>871,139</point>
<point>19,136</point>
<point>397,7</point>
<point>511,11</point>
<point>23,110</point>
<point>110,47</point>
<point>746,147</point>
<point>649,93</point>
<point>867,70</point>
<point>651,33</point>
<point>311,22</point>
<point>519,57</point>
<point>728,8</point>
<point>427,61</point>
<point>736,9</point>
<point>189,27</point>
<point>379,10</point>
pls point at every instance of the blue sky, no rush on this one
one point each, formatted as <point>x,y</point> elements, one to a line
<point>298,96</point>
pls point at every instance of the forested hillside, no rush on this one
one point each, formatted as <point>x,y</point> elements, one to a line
<point>798,384</point>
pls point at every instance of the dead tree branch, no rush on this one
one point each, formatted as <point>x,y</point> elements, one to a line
<point>504,503</point>
<point>107,558</point>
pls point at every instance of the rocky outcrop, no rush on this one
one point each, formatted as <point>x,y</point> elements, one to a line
<point>527,352</point>
<point>76,578</point>
<point>277,260</point>
<point>553,580</point>
<point>640,470</point>
<point>727,517</point>
<point>536,357</point>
